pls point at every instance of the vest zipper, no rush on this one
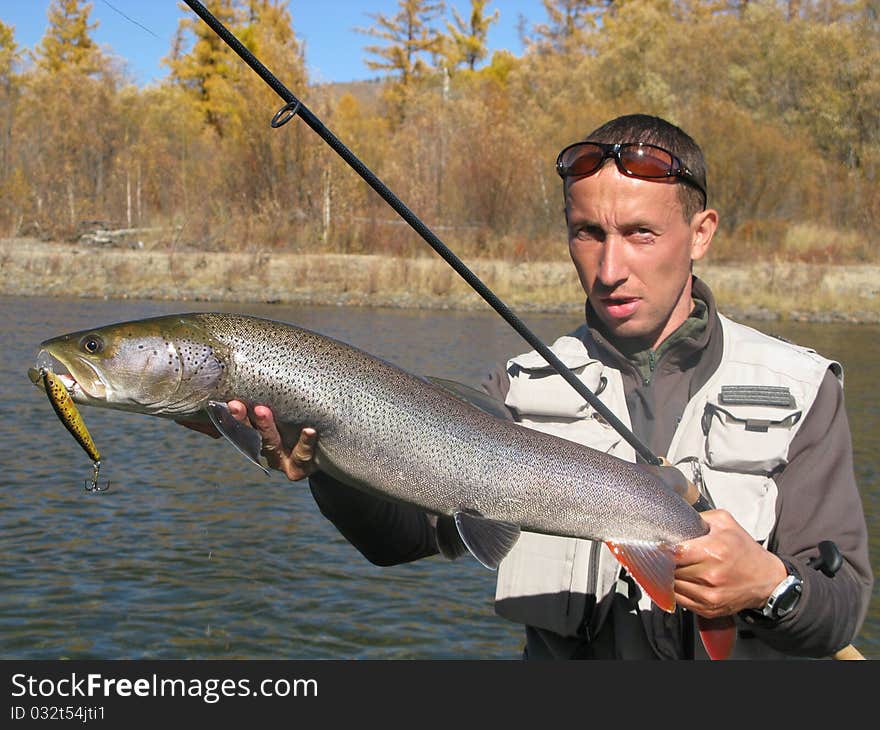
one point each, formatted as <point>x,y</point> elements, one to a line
<point>593,568</point>
<point>652,363</point>
<point>592,582</point>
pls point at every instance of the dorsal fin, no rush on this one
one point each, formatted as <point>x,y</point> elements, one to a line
<point>476,398</point>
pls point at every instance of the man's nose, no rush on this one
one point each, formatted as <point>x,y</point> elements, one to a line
<point>612,266</point>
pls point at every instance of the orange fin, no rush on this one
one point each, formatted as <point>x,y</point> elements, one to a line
<point>652,564</point>
<point>718,635</point>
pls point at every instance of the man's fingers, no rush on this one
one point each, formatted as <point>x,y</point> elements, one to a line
<point>264,422</point>
<point>692,554</point>
<point>238,410</point>
<point>304,450</point>
<point>297,463</point>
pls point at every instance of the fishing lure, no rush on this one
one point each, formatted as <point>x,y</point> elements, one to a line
<point>73,422</point>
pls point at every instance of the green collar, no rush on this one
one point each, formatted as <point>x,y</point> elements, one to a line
<point>646,360</point>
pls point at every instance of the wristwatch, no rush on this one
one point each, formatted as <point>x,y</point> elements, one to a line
<point>785,596</point>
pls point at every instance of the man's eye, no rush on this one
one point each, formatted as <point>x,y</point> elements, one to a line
<point>588,234</point>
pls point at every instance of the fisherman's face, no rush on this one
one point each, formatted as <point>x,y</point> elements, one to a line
<point>632,249</point>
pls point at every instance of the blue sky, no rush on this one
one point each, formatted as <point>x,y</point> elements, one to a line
<point>334,51</point>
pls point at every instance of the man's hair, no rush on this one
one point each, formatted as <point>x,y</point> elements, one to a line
<point>657,131</point>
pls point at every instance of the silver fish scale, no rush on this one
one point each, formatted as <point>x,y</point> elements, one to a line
<point>387,431</point>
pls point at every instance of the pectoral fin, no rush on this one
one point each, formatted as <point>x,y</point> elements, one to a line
<point>488,540</point>
<point>245,439</point>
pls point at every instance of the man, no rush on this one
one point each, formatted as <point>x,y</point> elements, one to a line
<point>758,424</point>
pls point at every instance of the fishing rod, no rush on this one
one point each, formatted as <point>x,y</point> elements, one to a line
<point>294,107</point>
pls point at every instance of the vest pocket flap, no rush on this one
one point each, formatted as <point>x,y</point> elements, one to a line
<point>545,393</point>
<point>569,350</point>
<point>749,436</point>
<point>537,389</point>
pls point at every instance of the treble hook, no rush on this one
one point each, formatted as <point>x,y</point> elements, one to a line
<point>91,485</point>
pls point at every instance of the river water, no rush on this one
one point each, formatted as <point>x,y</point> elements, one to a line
<point>194,553</point>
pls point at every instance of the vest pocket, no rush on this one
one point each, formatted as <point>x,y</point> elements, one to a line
<point>541,391</point>
<point>750,498</point>
<point>748,437</point>
<point>590,430</point>
<point>544,401</point>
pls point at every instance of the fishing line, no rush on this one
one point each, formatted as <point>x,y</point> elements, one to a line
<point>130,20</point>
<point>294,107</point>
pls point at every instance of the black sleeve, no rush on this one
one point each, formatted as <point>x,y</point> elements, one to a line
<point>818,500</point>
<point>385,532</point>
<point>497,384</point>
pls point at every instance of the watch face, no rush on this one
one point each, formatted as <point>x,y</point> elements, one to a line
<point>788,600</point>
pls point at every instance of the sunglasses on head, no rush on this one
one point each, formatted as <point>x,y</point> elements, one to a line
<point>635,159</point>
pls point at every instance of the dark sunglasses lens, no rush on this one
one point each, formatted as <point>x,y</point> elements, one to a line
<point>582,160</point>
<point>647,161</point>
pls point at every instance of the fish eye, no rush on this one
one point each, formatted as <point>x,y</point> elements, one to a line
<point>92,344</point>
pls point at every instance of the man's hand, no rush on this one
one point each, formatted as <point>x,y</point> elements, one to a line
<point>296,463</point>
<point>724,571</point>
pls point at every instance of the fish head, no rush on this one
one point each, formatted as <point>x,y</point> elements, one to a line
<point>168,366</point>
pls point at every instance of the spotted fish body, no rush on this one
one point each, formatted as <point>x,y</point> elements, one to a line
<point>386,431</point>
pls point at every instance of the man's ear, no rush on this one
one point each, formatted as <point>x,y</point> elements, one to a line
<point>703,226</point>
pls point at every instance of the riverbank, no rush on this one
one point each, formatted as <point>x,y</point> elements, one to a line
<point>760,290</point>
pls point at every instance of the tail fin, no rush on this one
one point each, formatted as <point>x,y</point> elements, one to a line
<point>718,635</point>
<point>653,567</point>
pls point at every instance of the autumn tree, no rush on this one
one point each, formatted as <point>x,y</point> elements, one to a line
<point>278,163</point>
<point>68,44</point>
<point>468,36</point>
<point>569,24</point>
<point>410,37</point>
<point>781,94</point>
<point>207,68</point>
<point>10,56</point>
<point>12,182</point>
<point>70,155</point>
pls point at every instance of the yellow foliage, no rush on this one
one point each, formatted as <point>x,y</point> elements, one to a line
<point>782,97</point>
<point>68,45</point>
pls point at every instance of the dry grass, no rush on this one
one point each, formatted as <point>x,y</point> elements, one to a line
<point>765,289</point>
<point>821,244</point>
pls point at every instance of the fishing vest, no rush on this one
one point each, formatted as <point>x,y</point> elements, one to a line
<point>734,433</point>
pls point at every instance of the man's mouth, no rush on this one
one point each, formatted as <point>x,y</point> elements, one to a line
<point>620,307</point>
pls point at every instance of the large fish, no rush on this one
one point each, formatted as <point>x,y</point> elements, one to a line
<point>388,432</point>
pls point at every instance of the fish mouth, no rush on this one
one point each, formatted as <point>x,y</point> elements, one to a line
<point>82,389</point>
